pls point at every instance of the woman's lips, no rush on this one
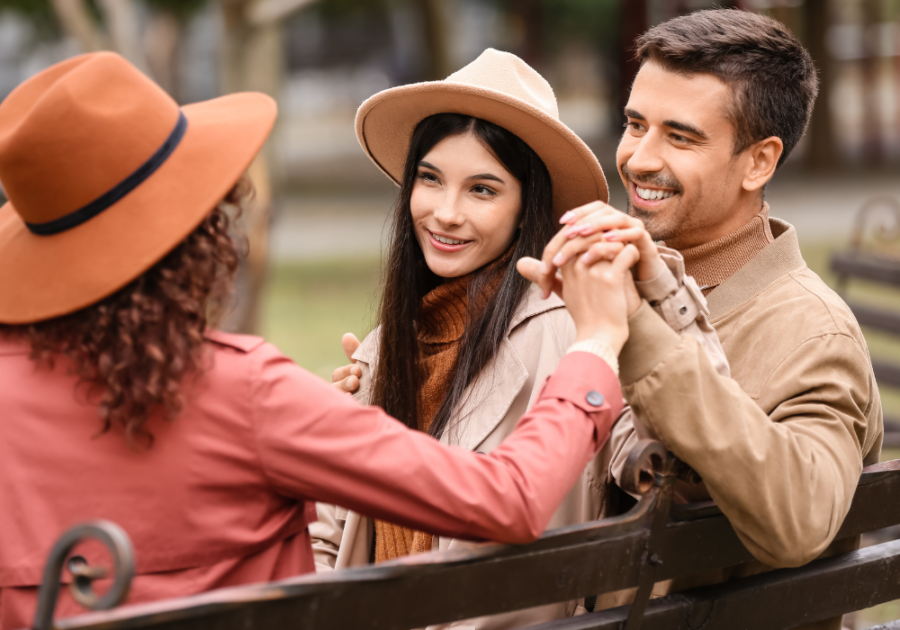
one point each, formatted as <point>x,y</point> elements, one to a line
<point>444,247</point>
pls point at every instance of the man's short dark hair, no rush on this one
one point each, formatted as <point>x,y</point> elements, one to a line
<point>772,76</point>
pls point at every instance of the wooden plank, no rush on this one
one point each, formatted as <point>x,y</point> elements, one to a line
<point>886,373</point>
<point>778,600</point>
<point>564,564</point>
<point>877,318</point>
<point>866,266</point>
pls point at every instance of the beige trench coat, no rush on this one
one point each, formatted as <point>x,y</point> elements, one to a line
<point>539,335</point>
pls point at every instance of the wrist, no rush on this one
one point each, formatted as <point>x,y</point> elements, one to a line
<point>599,349</point>
<point>612,340</point>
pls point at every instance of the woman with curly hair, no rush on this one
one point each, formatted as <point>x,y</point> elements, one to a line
<point>121,402</point>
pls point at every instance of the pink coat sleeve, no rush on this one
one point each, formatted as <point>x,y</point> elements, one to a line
<point>318,444</point>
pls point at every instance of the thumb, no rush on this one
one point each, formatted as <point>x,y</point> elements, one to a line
<point>626,259</point>
<point>529,268</point>
<point>350,344</point>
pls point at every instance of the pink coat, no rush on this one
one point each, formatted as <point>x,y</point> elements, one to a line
<point>226,492</point>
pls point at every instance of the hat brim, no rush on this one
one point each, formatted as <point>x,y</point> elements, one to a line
<point>43,277</point>
<point>385,124</point>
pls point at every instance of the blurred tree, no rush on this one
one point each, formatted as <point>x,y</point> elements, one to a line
<point>873,147</point>
<point>77,21</point>
<point>822,154</point>
<point>436,38</point>
<point>528,18</point>
<point>253,59</point>
<point>163,39</point>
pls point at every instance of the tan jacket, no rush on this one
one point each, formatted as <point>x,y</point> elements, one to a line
<point>779,445</point>
<point>539,335</point>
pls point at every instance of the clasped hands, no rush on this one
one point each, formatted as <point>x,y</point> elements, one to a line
<point>591,264</point>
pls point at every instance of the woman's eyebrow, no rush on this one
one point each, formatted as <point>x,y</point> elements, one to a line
<point>431,166</point>
<point>485,176</point>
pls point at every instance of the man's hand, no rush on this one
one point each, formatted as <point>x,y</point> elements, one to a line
<point>589,232</point>
<point>346,379</point>
<point>599,296</point>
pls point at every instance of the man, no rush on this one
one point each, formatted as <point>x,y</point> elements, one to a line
<point>721,99</point>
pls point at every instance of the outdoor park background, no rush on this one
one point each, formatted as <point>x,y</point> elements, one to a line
<point>317,228</point>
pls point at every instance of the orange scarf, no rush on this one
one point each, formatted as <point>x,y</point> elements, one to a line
<point>442,320</point>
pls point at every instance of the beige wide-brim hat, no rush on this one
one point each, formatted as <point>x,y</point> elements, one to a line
<point>502,89</point>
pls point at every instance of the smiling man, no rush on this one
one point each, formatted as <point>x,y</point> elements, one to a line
<point>721,99</point>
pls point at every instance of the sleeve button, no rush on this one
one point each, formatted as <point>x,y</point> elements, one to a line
<point>594,398</point>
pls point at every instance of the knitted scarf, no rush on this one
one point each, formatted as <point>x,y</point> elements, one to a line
<point>441,323</point>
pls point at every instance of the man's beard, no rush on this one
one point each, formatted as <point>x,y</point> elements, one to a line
<point>660,227</point>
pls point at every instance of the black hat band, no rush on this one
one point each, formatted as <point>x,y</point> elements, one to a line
<point>115,194</point>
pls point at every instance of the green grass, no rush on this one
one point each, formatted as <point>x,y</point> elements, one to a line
<point>307,307</point>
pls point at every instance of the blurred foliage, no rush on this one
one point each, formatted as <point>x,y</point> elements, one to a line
<point>181,9</point>
<point>339,9</point>
<point>38,12</point>
<point>592,22</point>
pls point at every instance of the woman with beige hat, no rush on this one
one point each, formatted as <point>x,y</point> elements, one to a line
<point>118,401</point>
<point>464,343</point>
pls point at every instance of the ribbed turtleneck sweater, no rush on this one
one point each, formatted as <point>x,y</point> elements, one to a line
<point>713,263</point>
<point>440,326</point>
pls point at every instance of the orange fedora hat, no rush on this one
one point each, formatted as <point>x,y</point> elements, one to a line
<point>105,175</point>
<point>502,89</point>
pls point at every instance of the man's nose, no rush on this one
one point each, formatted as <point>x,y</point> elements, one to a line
<point>647,156</point>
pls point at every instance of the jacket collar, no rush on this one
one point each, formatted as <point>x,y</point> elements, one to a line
<point>531,306</point>
<point>488,399</point>
<point>780,257</point>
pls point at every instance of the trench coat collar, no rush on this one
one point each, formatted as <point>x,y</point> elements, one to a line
<point>488,399</point>
<point>778,258</point>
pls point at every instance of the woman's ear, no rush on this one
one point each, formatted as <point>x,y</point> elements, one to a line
<point>763,160</point>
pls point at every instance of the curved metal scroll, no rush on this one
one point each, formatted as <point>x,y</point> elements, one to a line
<point>116,540</point>
<point>644,462</point>
<point>878,222</point>
<point>650,470</point>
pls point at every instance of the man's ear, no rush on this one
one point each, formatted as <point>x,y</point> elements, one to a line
<point>762,161</point>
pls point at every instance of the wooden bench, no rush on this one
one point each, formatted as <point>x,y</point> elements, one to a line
<point>873,257</point>
<point>653,541</point>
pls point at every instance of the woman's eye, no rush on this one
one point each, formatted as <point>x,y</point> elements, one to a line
<point>480,189</point>
<point>428,177</point>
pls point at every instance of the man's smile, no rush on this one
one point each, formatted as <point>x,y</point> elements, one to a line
<point>650,194</point>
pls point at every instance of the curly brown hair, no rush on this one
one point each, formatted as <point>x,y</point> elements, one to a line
<point>136,348</point>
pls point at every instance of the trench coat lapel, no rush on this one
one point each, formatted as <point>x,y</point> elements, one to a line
<point>487,400</point>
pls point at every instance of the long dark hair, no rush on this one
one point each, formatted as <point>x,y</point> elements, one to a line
<point>408,279</point>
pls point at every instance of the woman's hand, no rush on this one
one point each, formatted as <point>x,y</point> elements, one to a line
<point>346,379</point>
<point>599,296</point>
<point>590,229</point>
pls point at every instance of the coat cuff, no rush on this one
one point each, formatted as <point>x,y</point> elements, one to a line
<point>650,339</point>
<point>587,381</point>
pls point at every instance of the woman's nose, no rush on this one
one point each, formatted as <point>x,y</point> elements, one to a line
<point>448,211</point>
